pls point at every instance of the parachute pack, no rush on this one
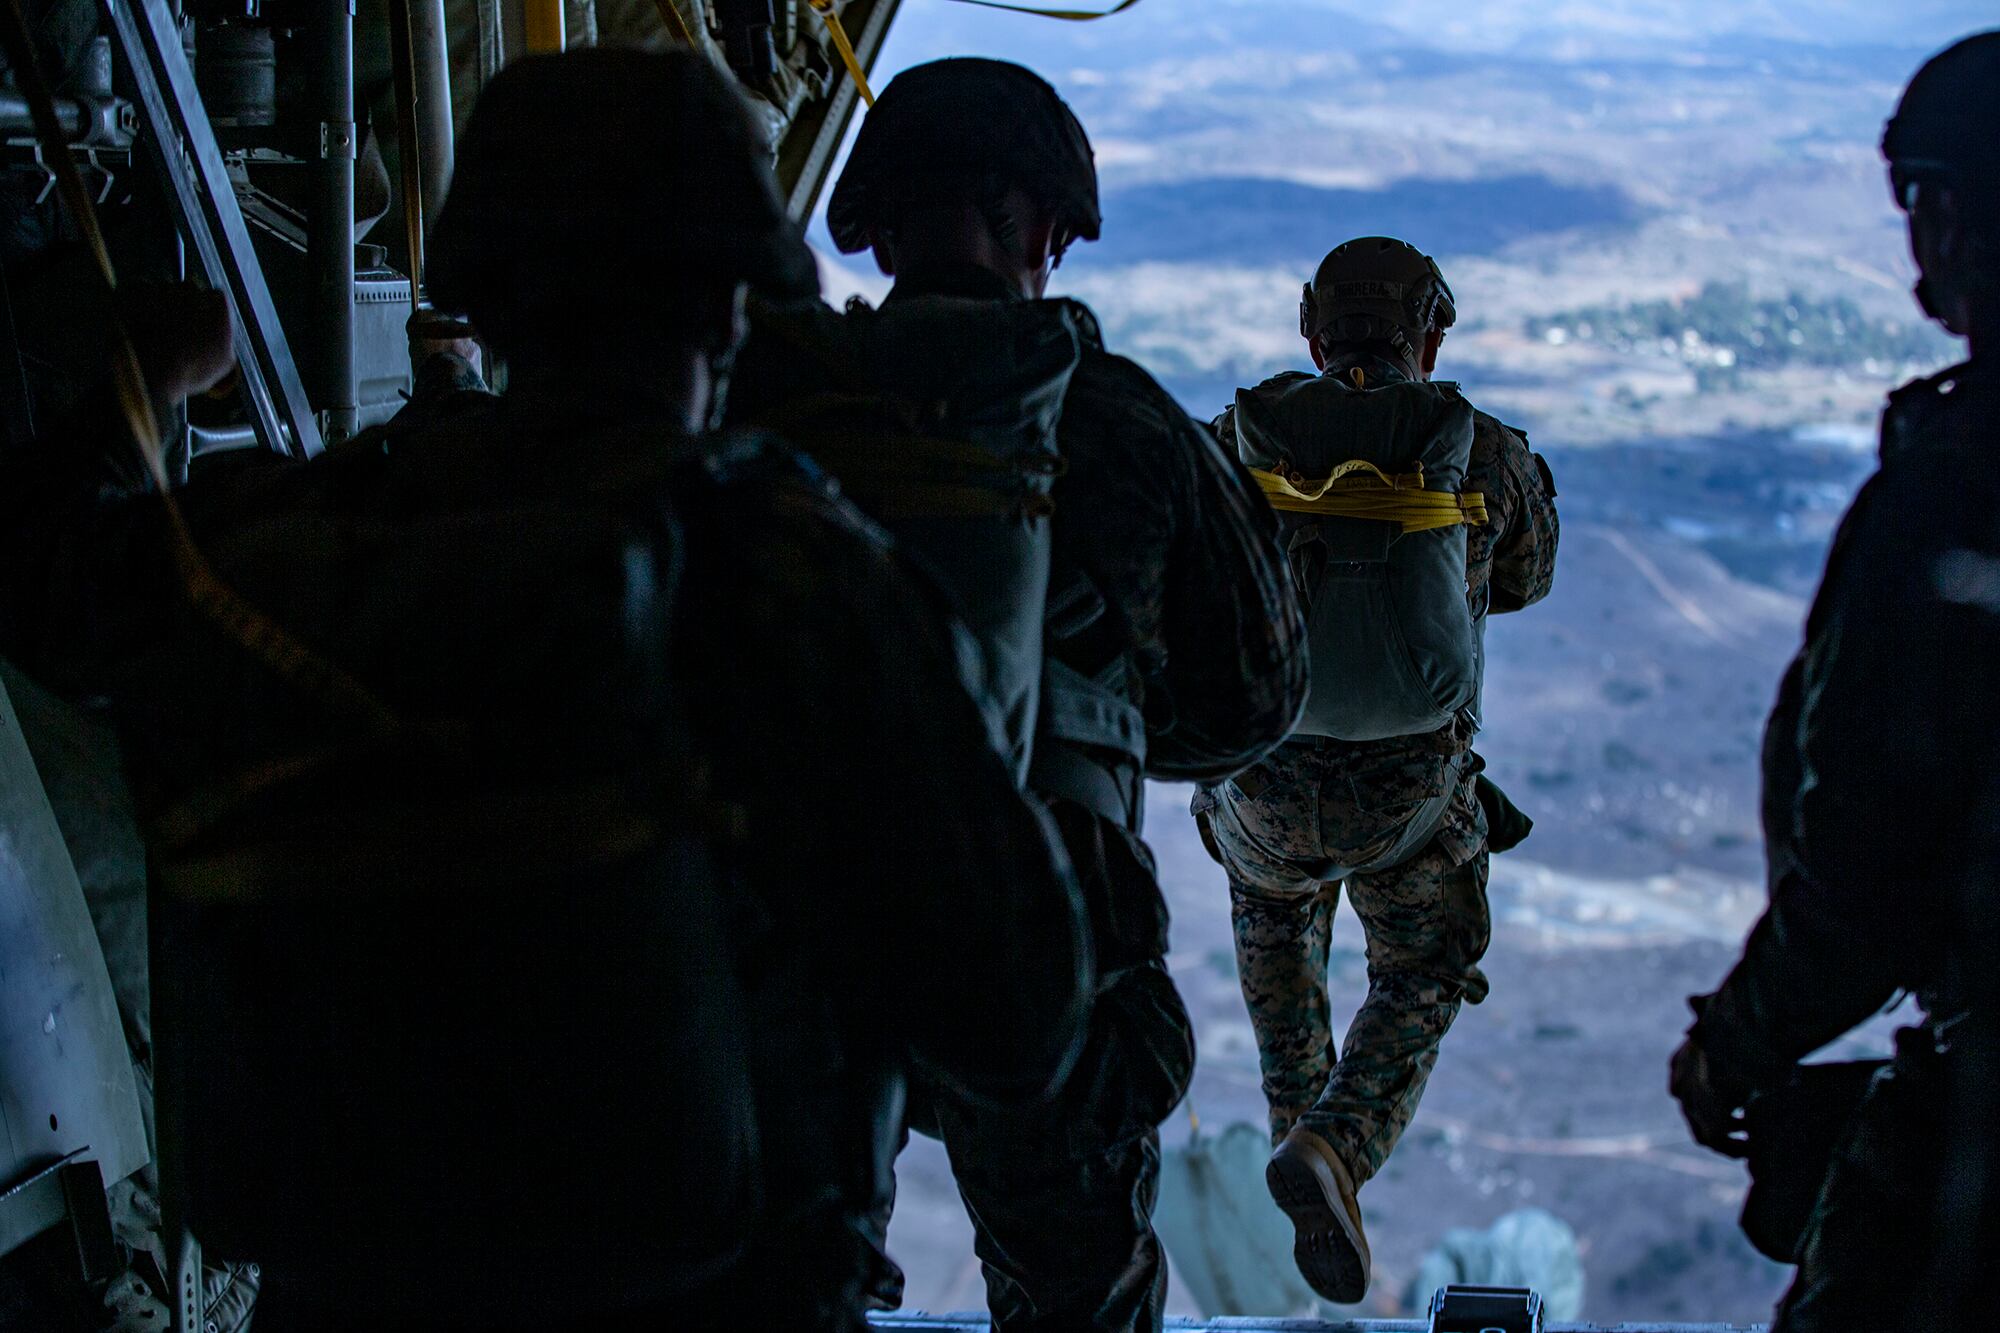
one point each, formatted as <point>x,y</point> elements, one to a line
<point>1367,481</point>
<point>512,893</point>
<point>938,416</point>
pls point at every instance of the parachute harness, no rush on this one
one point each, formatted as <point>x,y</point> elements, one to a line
<point>1359,489</point>
<point>908,473</point>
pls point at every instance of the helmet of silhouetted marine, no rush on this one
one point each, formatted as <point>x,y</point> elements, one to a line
<point>1947,127</point>
<point>986,123</point>
<point>593,186</point>
<point>1376,289</point>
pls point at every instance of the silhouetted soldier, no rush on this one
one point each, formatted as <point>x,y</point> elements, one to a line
<point>1172,651</point>
<point>579,908</point>
<point>1879,802</point>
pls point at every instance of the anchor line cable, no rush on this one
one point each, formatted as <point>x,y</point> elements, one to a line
<point>670,14</point>
<point>403,52</point>
<point>826,9</point>
<point>1066,15</point>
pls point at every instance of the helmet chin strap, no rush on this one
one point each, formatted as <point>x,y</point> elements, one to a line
<point>1006,232</point>
<point>1366,330</point>
<point>1000,223</point>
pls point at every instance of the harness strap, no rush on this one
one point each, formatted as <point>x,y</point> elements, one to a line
<point>1090,742</point>
<point>670,15</point>
<point>824,8</point>
<point>1112,790</point>
<point>1067,15</point>
<point>901,472</point>
<point>1359,489</point>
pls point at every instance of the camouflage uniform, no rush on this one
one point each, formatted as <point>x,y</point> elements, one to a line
<point>1398,823</point>
<point>1881,886</point>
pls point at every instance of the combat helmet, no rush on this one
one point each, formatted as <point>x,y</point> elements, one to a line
<point>602,181</point>
<point>1947,127</point>
<point>1377,289</point>
<point>966,119</point>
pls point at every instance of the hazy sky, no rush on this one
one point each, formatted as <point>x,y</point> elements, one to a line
<point>1156,29</point>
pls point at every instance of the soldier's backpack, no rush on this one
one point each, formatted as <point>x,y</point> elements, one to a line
<point>493,933</point>
<point>1367,482</point>
<point>938,416</point>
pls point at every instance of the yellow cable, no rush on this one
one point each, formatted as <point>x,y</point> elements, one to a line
<point>1067,15</point>
<point>670,14</point>
<point>824,8</point>
<point>1283,482</point>
<point>1359,489</point>
<point>542,27</point>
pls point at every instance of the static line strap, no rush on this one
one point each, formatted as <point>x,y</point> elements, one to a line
<point>542,27</point>
<point>670,14</point>
<point>1283,481</point>
<point>824,8</point>
<point>403,60</point>
<point>1359,489</point>
<point>243,623</point>
<point>1067,15</point>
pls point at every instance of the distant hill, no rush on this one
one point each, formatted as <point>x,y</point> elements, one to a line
<point>1679,268</point>
<point>1254,222</point>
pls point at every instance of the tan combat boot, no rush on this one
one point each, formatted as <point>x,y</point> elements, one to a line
<point>1312,1185</point>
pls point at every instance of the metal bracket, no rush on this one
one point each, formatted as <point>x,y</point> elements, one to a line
<point>183,148</point>
<point>1471,1309</point>
<point>72,1191</point>
<point>186,1278</point>
<point>48,176</point>
<point>336,139</point>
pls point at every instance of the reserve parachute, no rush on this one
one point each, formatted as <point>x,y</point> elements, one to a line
<point>1366,479</point>
<point>938,416</point>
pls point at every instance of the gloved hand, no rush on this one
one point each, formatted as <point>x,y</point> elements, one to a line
<point>1714,1115</point>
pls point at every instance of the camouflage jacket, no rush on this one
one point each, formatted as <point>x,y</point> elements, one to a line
<point>1510,559</point>
<point>1514,553</point>
<point>1878,756</point>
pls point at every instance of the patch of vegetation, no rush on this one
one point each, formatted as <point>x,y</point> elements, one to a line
<point>1723,332</point>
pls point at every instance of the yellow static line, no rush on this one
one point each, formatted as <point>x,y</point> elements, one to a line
<point>824,8</point>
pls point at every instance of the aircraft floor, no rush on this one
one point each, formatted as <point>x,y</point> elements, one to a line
<point>977,1323</point>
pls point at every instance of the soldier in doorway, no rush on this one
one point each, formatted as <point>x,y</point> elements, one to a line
<point>1879,799</point>
<point>1172,650</point>
<point>1380,791</point>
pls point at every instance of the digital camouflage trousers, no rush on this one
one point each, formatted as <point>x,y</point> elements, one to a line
<point>1400,828</point>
